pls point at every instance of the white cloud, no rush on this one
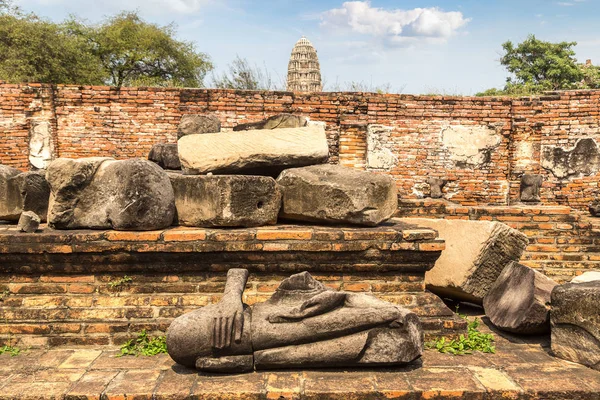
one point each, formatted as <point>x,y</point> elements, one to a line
<point>394,27</point>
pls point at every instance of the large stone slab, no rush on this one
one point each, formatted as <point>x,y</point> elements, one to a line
<point>269,150</point>
<point>519,300</point>
<point>193,124</point>
<point>335,194</point>
<point>225,200</point>
<point>101,193</point>
<point>575,323</point>
<point>278,121</point>
<point>22,191</point>
<point>165,155</point>
<point>476,253</point>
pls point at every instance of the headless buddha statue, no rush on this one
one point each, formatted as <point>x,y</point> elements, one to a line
<point>304,324</point>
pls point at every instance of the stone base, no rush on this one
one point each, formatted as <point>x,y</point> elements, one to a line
<point>103,287</point>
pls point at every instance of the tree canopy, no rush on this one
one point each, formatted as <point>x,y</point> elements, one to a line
<point>122,50</point>
<point>242,75</point>
<point>537,66</point>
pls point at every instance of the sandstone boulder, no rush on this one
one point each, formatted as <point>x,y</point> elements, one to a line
<point>192,124</point>
<point>275,122</point>
<point>587,277</point>
<point>225,200</point>
<point>102,193</point>
<point>22,191</point>
<point>165,155</point>
<point>262,152</point>
<point>575,323</point>
<point>475,255</point>
<point>334,194</point>
<point>519,300</point>
<point>29,222</point>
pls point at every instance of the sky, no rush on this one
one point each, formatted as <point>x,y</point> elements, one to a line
<point>445,47</point>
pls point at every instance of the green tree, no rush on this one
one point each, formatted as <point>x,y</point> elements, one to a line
<point>134,52</point>
<point>537,65</point>
<point>35,50</point>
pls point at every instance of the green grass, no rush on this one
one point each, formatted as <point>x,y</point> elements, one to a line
<point>474,341</point>
<point>118,283</point>
<point>144,345</point>
<point>13,351</point>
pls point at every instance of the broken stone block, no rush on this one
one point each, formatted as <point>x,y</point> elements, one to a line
<point>475,255</point>
<point>29,222</point>
<point>101,193</point>
<point>336,194</point>
<point>436,185</point>
<point>530,187</point>
<point>257,152</point>
<point>22,191</point>
<point>165,155</point>
<point>519,300</point>
<point>275,122</point>
<point>192,124</point>
<point>225,200</point>
<point>10,200</point>
<point>575,325</point>
<point>587,277</point>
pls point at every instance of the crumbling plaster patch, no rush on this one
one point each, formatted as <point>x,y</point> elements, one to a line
<point>582,159</point>
<point>470,146</point>
<point>380,154</point>
<point>40,144</point>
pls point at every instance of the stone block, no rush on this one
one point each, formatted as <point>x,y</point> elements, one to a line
<point>475,255</point>
<point>575,323</point>
<point>519,300</point>
<point>165,155</point>
<point>100,193</point>
<point>587,277</point>
<point>193,124</point>
<point>278,121</point>
<point>28,222</point>
<point>225,200</point>
<point>22,191</point>
<point>263,152</point>
<point>336,194</point>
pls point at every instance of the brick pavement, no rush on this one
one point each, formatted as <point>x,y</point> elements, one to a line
<point>521,369</point>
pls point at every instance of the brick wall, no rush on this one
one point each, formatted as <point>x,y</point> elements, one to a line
<point>104,121</point>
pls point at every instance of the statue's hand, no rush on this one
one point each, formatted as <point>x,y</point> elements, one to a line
<point>228,322</point>
<point>316,305</point>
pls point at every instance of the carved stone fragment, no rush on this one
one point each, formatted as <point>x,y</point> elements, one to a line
<point>101,193</point>
<point>41,148</point>
<point>22,191</point>
<point>336,194</point>
<point>225,200</point>
<point>192,124</point>
<point>275,122</point>
<point>165,155</point>
<point>475,255</point>
<point>259,152</point>
<point>436,185</point>
<point>29,222</point>
<point>303,325</point>
<point>575,323</point>
<point>519,300</point>
<point>530,187</point>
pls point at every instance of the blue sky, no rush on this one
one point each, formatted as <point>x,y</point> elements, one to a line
<point>448,47</point>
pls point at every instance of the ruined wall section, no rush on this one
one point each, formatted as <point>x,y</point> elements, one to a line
<point>558,137</point>
<point>480,147</point>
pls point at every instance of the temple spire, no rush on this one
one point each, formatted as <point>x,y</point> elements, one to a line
<point>304,72</point>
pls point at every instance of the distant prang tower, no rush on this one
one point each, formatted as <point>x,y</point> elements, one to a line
<point>304,72</point>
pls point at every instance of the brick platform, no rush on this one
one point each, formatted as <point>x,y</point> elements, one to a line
<point>521,369</point>
<point>103,287</point>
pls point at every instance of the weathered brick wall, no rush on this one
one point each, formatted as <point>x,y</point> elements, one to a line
<point>480,145</point>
